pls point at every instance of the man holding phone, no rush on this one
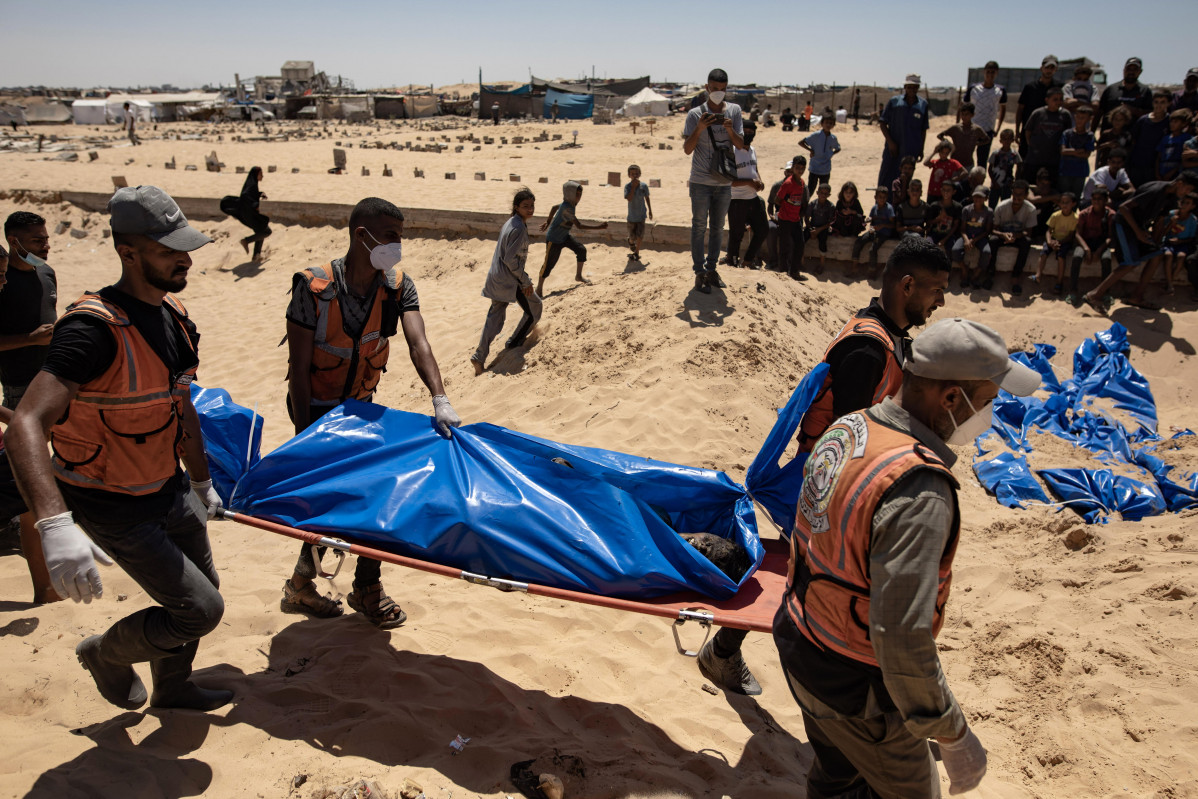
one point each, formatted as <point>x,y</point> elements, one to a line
<point>712,129</point>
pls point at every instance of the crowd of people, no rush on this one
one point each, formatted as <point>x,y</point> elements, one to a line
<point>1079,179</point>
<point>100,420</point>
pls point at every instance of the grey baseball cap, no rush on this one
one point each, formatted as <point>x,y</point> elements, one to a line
<point>150,211</point>
<point>960,349</point>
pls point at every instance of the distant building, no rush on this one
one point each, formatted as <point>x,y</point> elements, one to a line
<point>298,71</point>
<point>1013,79</point>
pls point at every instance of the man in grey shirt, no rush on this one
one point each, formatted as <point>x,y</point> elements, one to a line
<point>710,127</point>
<point>871,564</point>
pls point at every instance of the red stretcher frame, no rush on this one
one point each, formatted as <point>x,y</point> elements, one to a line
<point>752,608</point>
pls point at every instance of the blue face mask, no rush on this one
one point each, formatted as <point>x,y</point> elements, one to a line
<point>32,259</point>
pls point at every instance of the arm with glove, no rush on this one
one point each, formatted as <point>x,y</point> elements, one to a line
<point>426,366</point>
<point>196,460</point>
<point>71,556</point>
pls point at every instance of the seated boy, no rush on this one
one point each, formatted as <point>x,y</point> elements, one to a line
<point>881,227</point>
<point>1095,225</point>
<point>1059,238</point>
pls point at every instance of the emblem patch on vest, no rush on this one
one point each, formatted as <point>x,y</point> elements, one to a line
<point>843,441</point>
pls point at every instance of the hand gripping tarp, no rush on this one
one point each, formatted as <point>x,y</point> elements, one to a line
<point>494,501</point>
<point>226,428</point>
<point>1101,369</point>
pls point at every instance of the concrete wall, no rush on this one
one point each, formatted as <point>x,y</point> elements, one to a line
<point>431,222</point>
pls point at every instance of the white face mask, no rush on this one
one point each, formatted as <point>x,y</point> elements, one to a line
<point>974,426</point>
<point>716,97</point>
<point>385,257</point>
<point>32,259</point>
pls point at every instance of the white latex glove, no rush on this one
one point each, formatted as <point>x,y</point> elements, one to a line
<point>71,558</point>
<point>965,761</point>
<point>208,496</point>
<point>445,415</point>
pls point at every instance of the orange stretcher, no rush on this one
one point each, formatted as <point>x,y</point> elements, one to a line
<point>752,608</point>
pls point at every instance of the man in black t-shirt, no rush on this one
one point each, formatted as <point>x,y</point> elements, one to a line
<point>1139,227</point>
<point>28,306</point>
<point>1033,96</point>
<point>863,370</point>
<point>353,305</point>
<point>113,402</point>
<point>1129,92</point>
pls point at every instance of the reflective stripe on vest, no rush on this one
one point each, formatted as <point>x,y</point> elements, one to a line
<point>343,367</point>
<point>820,415</point>
<point>851,469</point>
<point>123,431</point>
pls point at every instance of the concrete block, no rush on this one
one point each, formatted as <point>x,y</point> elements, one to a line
<point>92,155</point>
<point>240,170</point>
<point>386,171</point>
<point>655,183</point>
<point>79,234</point>
<point>451,175</point>
<point>514,178</point>
<point>613,178</point>
<point>542,180</point>
<point>272,168</point>
<point>365,172</point>
<point>480,175</point>
<point>295,170</point>
<point>119,182</point>
<point>584,182</point>
<point>62,227</point>
<point>191,168</point>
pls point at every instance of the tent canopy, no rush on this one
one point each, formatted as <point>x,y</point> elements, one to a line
<point>570,106</point>
<point>90,112</point>
<point>645,103</point>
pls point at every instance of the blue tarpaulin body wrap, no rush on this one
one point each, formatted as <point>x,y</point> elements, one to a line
<point>1101,370</point>
<point>776,487</point>
<point>494,501</point>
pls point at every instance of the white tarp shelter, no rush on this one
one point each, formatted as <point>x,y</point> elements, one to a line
<point>647,103</point>
<point>144,108</point>
<point>90,112</point>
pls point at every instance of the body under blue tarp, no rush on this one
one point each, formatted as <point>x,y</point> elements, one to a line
<point>494,501</point>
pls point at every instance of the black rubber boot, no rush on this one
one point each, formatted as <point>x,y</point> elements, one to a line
<point>173,689</point>
<point>110,658</point>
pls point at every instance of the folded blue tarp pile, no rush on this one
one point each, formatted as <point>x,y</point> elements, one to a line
<point>1101,370</point>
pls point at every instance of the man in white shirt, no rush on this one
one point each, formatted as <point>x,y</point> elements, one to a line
<point>746,208</point>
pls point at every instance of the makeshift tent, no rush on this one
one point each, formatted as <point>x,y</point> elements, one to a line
<point>10,113</point>
<point>517,102</point>
<point>143,108</point>
<point>48,113</point>
<point>646,103</point>
<point>421,105</point>
<point>90,112</point>
<point>570,106</point>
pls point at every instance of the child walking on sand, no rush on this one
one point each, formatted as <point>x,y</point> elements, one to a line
<point>637,196</point>
<point>508,281</point>
<point>561,219</point>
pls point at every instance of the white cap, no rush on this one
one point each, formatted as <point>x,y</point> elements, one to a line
<point>960,349</point>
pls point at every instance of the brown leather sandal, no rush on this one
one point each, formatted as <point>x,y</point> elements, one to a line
<point>309,601</point>
<point>378,608</point>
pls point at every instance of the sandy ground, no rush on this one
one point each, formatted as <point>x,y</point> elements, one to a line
<point>1076,666</point>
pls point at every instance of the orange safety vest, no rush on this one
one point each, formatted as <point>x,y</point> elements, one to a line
<point>852,468</point>
<point>123,431</point>
<point>343,367</point>
<point>820,415</point>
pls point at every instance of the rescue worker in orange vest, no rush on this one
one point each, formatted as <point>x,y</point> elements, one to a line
<point>113,402</point>
<point>870,569</point>
<point>865,367</point>
<point>339,324</point>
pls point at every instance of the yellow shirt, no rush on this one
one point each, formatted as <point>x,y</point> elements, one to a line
<point>1062,226</point>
